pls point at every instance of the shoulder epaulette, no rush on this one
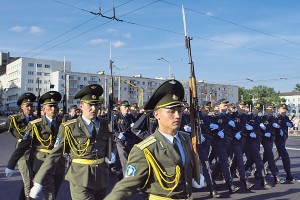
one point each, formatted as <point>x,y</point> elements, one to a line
<point>69,122</point>
<point>145,143</point>
<point>35,121</point>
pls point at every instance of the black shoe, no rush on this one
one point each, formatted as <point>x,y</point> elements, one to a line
<point>278,180</point>
<point>247,184</point>
<point>264,183</point>
<point>232,188</point>
<point>212,192</point>
<point>290,178</point>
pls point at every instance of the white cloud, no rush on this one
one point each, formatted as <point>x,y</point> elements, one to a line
<point>118,44</point>
<point>111,30</point>
<point>127,35</point>
<point>209,13</point>
<point>18,28</point>
<point>97,41</point>
<point>35,30</point>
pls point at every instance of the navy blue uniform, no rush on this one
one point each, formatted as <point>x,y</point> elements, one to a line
<point>281,135</point>
<point>267,142</point>
<point>237,144</point>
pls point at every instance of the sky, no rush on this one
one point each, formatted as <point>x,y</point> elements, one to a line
<point>243,43</point>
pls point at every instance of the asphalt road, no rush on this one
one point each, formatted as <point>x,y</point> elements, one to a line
<point>9,187</point>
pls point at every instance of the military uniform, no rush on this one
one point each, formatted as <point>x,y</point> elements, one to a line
<point>87,143</point>
<point>268,134</point>
<point>154,165</point>
<point>221,139</point>
<point>124,143</point>
<point>145,125</point>
<point>253,138</point>
<point>17,125</point>
<point>281,135</point>
<point>40,139</point>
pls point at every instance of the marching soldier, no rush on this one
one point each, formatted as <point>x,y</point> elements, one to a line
<point>86,140</point>
<point>17,125</point>
<point>204,148</point>
<point>281,135</point>
<point>267,126</point>
<point>221,134</point>
<point>161,164</point>
<point>39,139</point>
<point>253,138</point>
<point>145,125</point>
<point>125,139</point>
<point>238,126</point>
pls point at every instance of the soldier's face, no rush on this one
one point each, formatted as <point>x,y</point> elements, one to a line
<point>168,119</point>
<point>124,110</point>
<point>282,111</point>
<point>27,108</point>
<point>50,110</point>
<point>89,111</point>
<point>241,109</point>
<point>223,107</point>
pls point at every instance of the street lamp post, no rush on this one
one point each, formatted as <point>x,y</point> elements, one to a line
<point>170,64</point>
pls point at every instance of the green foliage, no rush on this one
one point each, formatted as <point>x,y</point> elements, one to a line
<point>297,88</point>
<point>261,94</point>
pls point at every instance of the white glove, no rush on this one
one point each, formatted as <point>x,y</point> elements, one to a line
<point>238,135</point>
<point>202,138</point>
<point>249,127</point>
<point>213,126</point>
<point>3,124</point>
<point>281,133</point>
<point>112,159</point>
<point>275,125</point>
<point>187,128</point>
<point>253,135</point>
<point>35,190</point>
<point>196,185</point>
<point>9,172</point>
<point>262,126</point>
<point>267,134</point>
<point>231,123</point>
<point>131,125</point>
<point>288,124</point>
<point>221,134</point>
<point>122,136</point>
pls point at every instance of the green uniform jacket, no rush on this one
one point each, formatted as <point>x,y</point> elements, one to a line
<point>31,142</point>
<point>21,123</point>
<point>90,176</point>
<point>167,158</point>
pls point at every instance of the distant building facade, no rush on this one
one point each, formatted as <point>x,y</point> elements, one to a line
<point>34,75</point>
<point>292,101</point>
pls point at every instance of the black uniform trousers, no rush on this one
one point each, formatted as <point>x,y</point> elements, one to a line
<point>268,155</point>
<point>236,153</point>
<point>203,152</point>
<point>280,145</point>
<point>221,152</point>
<point>253,155</point>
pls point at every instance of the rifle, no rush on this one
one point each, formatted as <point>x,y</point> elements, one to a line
<point>194,111</point>
<point>110,113</point>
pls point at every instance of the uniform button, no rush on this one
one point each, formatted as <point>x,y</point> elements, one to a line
<point>95,141</point>
<point>186,183</point>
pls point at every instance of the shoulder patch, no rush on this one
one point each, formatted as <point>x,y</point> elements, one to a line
<point>145,143</point>
<point>130,171</point>
<point>69,122</point>
<point>35,121</point>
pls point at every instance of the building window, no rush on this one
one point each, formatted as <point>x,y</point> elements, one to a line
<point>46,82</point>
<point>47,66</point>
<point>30,89</point>
<point>46,74</point>
<point>85,78</point>
<point>39,73</point>
<point>30,64</point>
<point>39,81</point>
<point>30,81</point>
<point>78,78</point>
<point>30,73</point>
<point>39,65</point>
<point>99,80</point>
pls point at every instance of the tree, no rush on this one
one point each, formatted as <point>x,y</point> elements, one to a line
<point>297,88</point>
<point>245,94</point>
<point>264,95</point>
